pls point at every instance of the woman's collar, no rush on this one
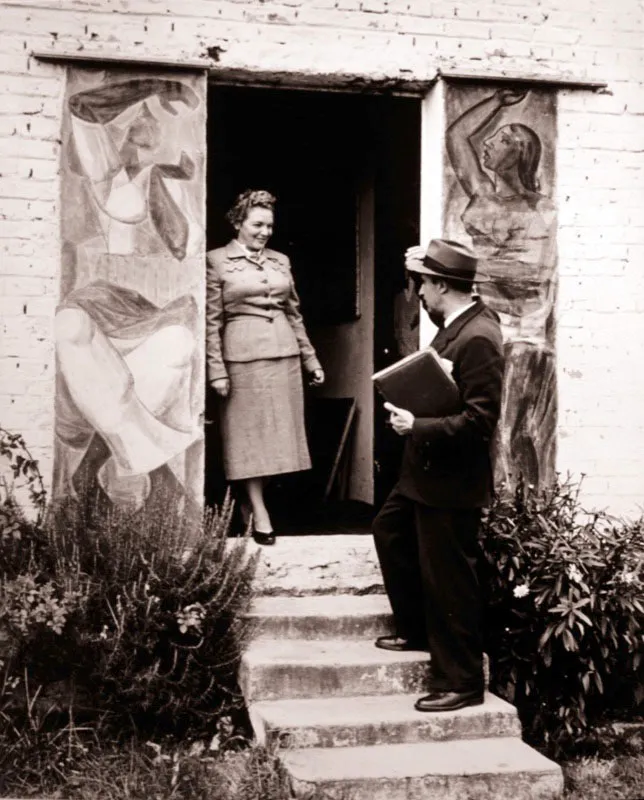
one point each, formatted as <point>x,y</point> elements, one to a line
<point>254,255</point>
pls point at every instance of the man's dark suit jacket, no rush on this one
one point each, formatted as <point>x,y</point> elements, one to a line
<point>447,460</point>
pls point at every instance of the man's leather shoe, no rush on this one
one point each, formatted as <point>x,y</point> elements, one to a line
<point>264,538</point>
<point>449,701</point>
<point>399,644</point>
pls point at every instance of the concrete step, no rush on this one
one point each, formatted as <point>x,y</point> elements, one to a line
<point>378,719</point>
<point>342,616</point>
<point>473,769</point>
<point>273,669</point>
<point>311,564</point>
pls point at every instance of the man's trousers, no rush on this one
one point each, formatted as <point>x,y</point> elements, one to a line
<point>429,559</point>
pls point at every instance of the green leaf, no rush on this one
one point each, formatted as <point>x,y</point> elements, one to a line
<point>545,636</point>
<point>581,615</point>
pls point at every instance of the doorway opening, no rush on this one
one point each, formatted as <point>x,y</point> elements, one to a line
<point>345,169</point>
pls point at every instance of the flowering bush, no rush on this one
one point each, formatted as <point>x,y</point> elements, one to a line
<point>565,611</point>
<point>164,623</point>
<point>141,614</point>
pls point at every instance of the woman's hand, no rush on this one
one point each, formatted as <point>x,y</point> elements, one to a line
<point>510,97</point>
<point>316,378</point>
<point>221,386</point>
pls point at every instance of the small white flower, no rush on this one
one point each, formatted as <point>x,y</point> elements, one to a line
<point>103,633</point>
<point>196,748</point>
<point>628,577</point>
<point>574,574</point>
<point>521,591</point>
<point>191,617</point>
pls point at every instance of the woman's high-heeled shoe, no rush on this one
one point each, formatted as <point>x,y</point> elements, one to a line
<point>264,538</point>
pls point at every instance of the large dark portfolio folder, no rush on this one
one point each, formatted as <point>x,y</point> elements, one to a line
<point>420,383</point>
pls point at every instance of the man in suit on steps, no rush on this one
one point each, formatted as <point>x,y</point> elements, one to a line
<point>426,533</point>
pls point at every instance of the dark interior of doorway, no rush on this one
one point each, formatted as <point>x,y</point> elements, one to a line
<point>312,150</point>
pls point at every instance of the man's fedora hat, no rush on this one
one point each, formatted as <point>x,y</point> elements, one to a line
<point>447,259</point>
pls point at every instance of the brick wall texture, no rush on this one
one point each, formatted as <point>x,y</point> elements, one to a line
<point>600,170</point>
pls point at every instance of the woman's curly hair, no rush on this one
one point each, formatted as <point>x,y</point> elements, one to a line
<point>251,198</point>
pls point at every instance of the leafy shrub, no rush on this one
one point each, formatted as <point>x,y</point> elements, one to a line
<point>22,537</point>
<point>116,626</point>
<point>565,611</point>
<point>113,627</point>
<point>25,476</point>
<point>144,612</point>
<point>30,609</point>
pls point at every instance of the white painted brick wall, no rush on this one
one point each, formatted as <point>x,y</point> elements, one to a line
<point>600,170</point>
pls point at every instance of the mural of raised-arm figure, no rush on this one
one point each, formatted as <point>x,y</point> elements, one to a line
<point>127,366</point>
<point>496,159</point>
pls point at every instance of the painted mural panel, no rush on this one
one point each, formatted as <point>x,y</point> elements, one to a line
<point>129,391</point>
<point>500,180</point>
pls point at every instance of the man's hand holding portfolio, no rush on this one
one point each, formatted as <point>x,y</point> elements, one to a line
<point>401,420</point>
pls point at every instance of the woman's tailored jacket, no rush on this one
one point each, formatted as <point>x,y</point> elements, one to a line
<point>252,310</point>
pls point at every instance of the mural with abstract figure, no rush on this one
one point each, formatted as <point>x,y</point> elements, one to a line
<point>500,183</point>
<point>129,324</point>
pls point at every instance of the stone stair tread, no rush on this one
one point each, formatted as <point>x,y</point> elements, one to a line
<point>462,757</point>
<point>374,719</point>
<point>325,653</point>
<point>365,710</point>
<point>341,616</point>
<point>319,564</point>
<point>295,668</point>
<point>320,605</point>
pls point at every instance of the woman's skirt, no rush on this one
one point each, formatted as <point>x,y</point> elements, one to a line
<point>262,419</point>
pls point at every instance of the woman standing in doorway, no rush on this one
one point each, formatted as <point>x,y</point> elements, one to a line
<point>256,348</point>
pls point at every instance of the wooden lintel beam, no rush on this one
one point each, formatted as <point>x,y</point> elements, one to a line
<point>119,60</point>
<point>550,81</point>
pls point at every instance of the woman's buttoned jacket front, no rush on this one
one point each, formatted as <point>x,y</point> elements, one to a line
<point>252,310</point>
